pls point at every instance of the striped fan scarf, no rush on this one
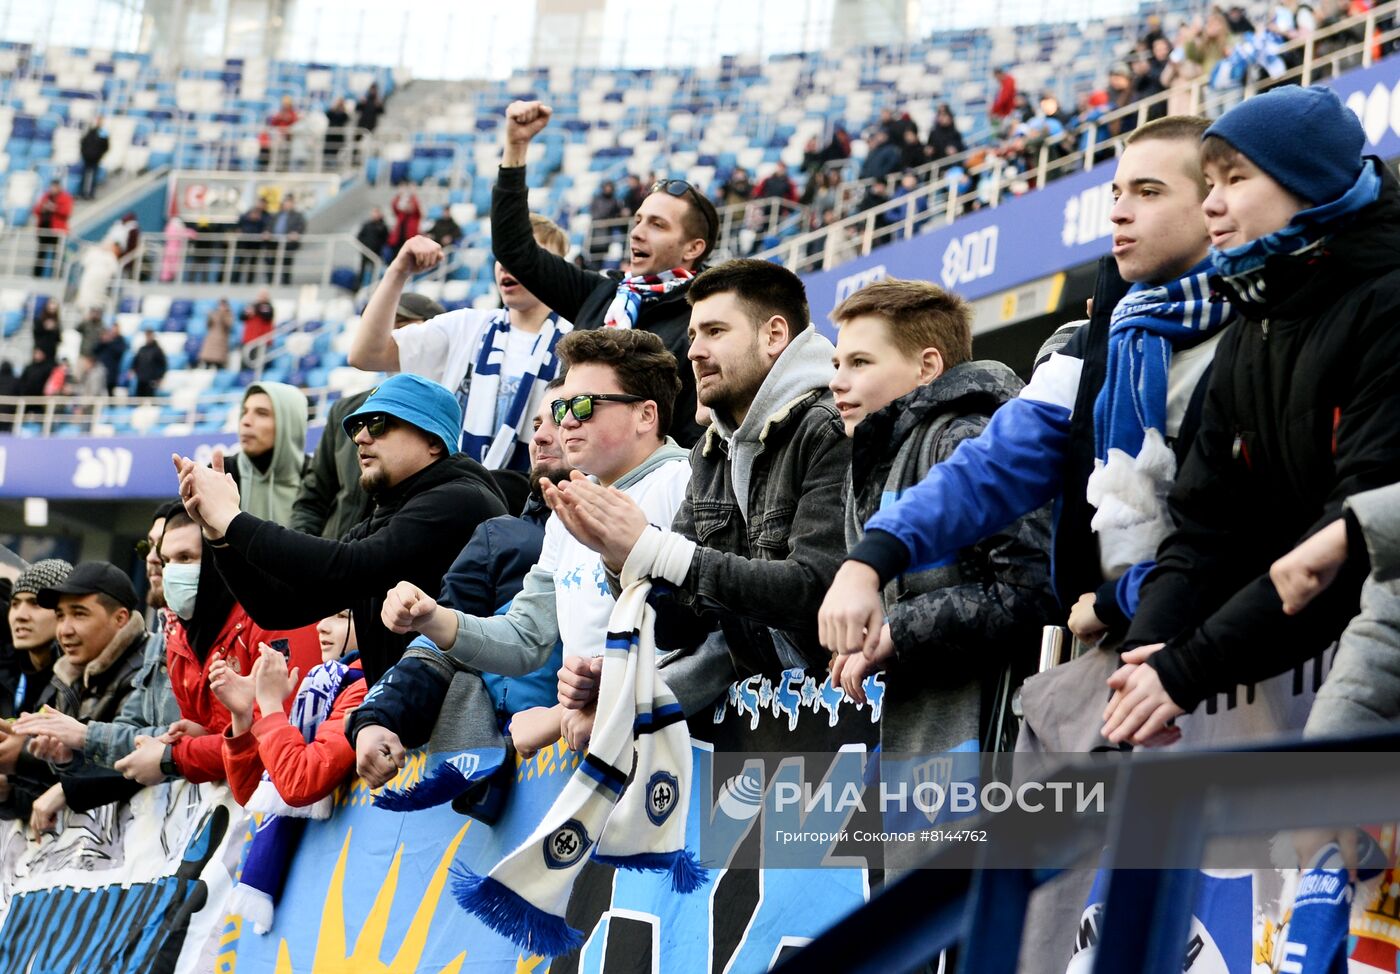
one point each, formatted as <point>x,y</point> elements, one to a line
<point>640,825</point>
<point>270,855</point>
<point>638,290</point>
<point>1133,467</point>
<point>503,442</point>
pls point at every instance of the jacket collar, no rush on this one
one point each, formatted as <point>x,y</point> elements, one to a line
<point>790,412</point>
<point>126,637</point>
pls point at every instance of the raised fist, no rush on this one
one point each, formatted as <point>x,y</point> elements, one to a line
<point>419,254</point>
<point>526,119</point>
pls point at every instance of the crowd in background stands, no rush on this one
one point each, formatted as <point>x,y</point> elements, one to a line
<point>443,569</point>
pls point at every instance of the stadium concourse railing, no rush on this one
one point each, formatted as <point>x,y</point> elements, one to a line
<point>153,416</point>
<point>19,253</point>
<point>967,899</point>
<point>303,147</point>
<point>938,200</point>
<point>232,258</point>
<point>740,225</point>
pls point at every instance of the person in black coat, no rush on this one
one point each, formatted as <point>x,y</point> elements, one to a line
<point>673,232</point>
<point>428,501</point>
<point>149,366</point>
<point>92,148</point>
<point>1300,414</point>
<point>337,128</point>
<point>36,374</point>
<point>374,237</point>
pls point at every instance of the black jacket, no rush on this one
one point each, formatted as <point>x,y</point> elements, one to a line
<point>487,575</point>
<point>583,296</point>
<point>764,578</point>
<point>331,500</point>
<point>1302,412</point>
<point>93,146</point>
<point>286,579</point>
<point>149,363</point>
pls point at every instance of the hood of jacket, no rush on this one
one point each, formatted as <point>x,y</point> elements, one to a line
<point>1365,247</point>
<point>270,494</point>
<point>978,387</point>
<point>126,637</point>
<point>803,367</point>
<point>668,452</point>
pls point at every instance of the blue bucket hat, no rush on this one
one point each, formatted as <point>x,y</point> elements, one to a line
<point>418,402</point>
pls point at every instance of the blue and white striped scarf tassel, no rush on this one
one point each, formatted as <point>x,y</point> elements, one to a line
<point>637,826</point>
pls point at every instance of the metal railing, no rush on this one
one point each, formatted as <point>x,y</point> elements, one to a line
<point>228,259</point>
<point>94,415</point>
<point>25,253</point>
<point>741,226</point>
<point>261,147</point>
<point>858,234</point>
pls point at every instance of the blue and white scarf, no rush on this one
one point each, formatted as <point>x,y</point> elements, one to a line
<point>639,729</point>
<point>1259,49</point>
<point>274,844</point>
<point>639,290</point>
<point>1133,466</point>
<point>503,442</point>
<point>1242,266</point>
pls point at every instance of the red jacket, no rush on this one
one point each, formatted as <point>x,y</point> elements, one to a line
<point>406,219</point>
<point>303,772</point>
<point>62,209</point>
<point>1006,98</point>
<point>201,758</point>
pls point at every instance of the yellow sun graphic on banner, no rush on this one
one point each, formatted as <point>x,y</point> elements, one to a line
<point>332,954</point>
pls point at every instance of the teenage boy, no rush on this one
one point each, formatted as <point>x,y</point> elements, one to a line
<point>1300,415</point>
<point>909,392</point>
<point>614,409</point>
<point>1084,433</point>
<point>497,363</point>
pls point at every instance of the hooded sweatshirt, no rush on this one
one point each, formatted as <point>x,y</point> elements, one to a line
<point>269,494</point>
<point>803,366</point>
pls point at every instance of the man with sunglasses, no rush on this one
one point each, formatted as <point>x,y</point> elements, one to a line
<point>613,411</point>
<point>673,231</point>
<point>429,498</point>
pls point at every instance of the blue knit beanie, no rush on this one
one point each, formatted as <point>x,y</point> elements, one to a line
<point>1304,138</point>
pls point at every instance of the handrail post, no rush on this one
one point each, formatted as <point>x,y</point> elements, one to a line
<point>1308,60</point>
<point>1368,45</point>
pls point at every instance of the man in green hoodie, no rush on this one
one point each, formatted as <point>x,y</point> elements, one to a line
<point>272,450</point>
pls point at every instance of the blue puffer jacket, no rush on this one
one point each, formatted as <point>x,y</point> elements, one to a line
<point>483,580</point>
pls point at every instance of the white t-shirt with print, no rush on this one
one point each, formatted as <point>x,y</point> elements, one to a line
<point>444,348</point>
<point>583,602</point>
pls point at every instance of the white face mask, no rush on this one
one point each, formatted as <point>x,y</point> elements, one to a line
<point>181,583</point>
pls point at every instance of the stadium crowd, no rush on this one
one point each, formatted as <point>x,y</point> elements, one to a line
<point>1198,481</point>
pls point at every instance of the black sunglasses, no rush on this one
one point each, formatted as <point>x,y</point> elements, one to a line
<point>582,406</point>
<point>679,188</point>
<point>377,424</point>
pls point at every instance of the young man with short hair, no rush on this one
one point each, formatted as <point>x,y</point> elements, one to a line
<point>428,501</point>
<point>613,411</point>
<point>673,231</point>
<point>497,363</point>
<point>909,392</point>
<point>754,546</point>
<point>1083,433</point>
<point>1300,415</point>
